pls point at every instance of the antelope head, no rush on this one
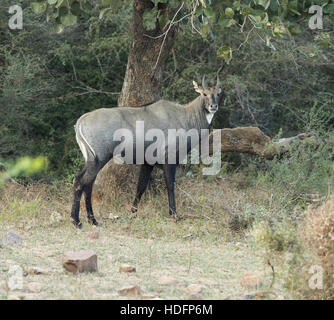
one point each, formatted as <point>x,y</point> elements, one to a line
<point>210,96</point>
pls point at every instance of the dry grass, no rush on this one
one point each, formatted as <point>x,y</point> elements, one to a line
<point>207,247</point>
<point>319,236</point>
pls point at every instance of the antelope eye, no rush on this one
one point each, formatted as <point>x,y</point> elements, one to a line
<point>205,94</point>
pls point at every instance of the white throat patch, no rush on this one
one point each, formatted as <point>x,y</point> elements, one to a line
<point>209,117</point>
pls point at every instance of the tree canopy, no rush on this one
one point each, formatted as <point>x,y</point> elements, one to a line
<point>269,18</point>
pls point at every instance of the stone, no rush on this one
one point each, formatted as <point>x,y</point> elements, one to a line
<point>113,217</point>
<point>16,297</point>
<point>150,296</point>
<point>93,235</point>
<point>127,268</point>
<point>194,288</point>
<point>12,238</point>
<point>15,278</point>
<point>261,294</point>
<point>4,286</point>
<point>195,296</point>
<point>164,280</point>
<point>80,261</point>
<point>130,291</point>
<point>34,287</point>
<point>251,281</point>
<point>248,296</point>
<point>36,271</point>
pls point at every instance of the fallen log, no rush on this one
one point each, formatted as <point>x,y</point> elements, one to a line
<point>252,140</point>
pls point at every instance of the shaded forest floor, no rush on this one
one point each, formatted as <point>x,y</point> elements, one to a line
<point>211,248</point>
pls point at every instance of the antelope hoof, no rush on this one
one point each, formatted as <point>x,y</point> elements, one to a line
<point>93,221</point>
<point>134,209</point>
<point>177,217</point>
<point>77,224</point>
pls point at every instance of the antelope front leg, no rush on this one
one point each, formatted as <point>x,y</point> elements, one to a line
<point>169,172</point>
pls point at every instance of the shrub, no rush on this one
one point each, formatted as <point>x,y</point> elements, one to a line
<point>318,231</point>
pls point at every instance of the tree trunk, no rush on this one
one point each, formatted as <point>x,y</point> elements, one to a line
<point>143,77</point>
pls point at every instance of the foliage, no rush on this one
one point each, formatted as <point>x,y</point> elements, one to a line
<point>25,166</point>
<point>270,18</point>
<point>48,81</point>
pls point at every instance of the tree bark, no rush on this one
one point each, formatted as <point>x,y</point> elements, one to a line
<point>252,140</point>
<point>147,56</point>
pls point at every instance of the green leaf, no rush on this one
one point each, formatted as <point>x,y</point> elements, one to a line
<point>68,20</point>
<point>209,12</point>
<point>59,3</point>
<point>236,5</point>
<point>226,23</point>
<point>229,13</point>
<point>39,7</point>
<point>149,18</point>
<point>104,12</point>
<point>329,9</point>
<point>163,21</point>
<point>106,3</point>
<point>52,2</point>
<point>75,8</point>
<point>225,52</point>
<point>173,3</point>
<point>294,29</point>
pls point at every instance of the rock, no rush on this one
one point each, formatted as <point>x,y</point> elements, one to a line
<point>34,287</point>
<point>126,268</point>
<point>80,261</point>
<point>261,294</point>
<point>16,297</point>
<point>12,238</point>
<point>130,291</point>
<point>36,271</point>
<point>4,286</point>
<point>195,296</point>
<point>55,217</point>
<point>93,235</point>
<point>167,280</point>
<point>194,288</point>
<point>113,217</point>
<point>15,278</point>
<point>251,281</point>
<point>248,296</point>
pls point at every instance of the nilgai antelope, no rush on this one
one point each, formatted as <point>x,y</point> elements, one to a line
<point>96,131</point>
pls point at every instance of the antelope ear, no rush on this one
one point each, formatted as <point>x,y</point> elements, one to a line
<point>196,87</point>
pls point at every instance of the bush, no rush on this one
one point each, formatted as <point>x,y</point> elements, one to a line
<point>318,231</point>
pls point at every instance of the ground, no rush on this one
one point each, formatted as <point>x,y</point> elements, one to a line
<point>202,249</point>
<point>217,267</point>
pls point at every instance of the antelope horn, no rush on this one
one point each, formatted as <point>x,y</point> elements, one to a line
<point>218,82</point>
<point>203,82</point>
